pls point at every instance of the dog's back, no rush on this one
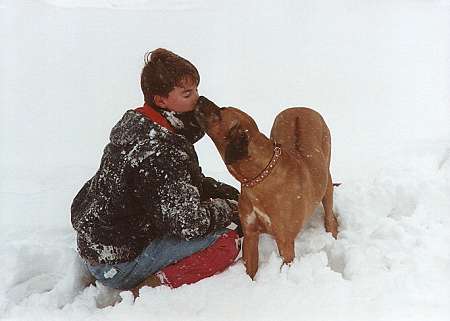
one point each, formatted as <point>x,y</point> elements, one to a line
<point>303,134</point>
<point>302,130</point>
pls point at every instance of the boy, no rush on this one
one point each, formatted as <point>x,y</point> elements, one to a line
<point>149,216</point>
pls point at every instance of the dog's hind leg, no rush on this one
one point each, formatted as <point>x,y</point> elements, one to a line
<point>331,224</point>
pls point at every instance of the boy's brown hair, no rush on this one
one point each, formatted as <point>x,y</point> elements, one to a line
<point>163,71</point>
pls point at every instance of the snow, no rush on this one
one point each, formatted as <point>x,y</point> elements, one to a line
<point>110,273</point>
<point>377,72</point>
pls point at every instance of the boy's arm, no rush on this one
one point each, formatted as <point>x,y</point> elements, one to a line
<point>184,213</point>
<point>216,189</point>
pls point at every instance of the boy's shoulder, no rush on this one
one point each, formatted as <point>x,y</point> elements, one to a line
<point>134,128</point>
<point>138,138</point>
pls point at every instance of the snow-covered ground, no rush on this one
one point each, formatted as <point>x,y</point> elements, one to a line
<point>376,70</point>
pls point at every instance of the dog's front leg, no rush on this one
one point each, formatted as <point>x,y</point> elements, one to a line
<point>250,252</point>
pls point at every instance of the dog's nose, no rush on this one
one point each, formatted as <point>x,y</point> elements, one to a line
<point>206,110</point>
<point>204,103</point>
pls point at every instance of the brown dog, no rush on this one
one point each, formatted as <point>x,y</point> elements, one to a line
<point>283,179</point>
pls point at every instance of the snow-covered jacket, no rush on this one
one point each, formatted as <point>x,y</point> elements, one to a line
<point>149,186</point>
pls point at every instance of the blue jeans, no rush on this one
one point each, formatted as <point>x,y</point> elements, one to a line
<point>157,255</point>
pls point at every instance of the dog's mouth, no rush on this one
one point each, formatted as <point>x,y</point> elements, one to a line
<point>205,112</point>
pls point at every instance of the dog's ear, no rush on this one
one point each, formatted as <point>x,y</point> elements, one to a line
<point>237,147</point>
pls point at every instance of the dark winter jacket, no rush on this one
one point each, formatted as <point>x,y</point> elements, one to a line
<point>149,185</point>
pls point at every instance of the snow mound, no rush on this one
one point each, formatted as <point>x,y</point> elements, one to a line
<point>390,262</point>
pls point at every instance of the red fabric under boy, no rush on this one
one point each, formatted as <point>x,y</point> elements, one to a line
<point>212,260</point>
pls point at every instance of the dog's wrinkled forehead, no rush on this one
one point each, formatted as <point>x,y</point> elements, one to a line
<point>232,116</point>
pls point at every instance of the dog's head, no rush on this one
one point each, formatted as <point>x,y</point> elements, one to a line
<point>230,129</point>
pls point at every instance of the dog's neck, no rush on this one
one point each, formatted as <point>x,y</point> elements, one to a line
<point>261,152</point>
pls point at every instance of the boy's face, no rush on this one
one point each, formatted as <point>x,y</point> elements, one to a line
<point>180,99</point>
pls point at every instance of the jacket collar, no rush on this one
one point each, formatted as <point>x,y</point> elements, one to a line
<point>183,124</point>
<point>150,113</point>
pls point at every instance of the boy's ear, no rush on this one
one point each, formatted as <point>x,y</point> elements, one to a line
<point>160,101</point>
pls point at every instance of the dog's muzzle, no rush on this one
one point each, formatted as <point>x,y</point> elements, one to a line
<point>206,111</point>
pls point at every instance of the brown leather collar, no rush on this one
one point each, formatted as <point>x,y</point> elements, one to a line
<point>245,182</point>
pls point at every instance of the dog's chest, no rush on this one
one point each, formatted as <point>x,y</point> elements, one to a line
<point>260,218</point>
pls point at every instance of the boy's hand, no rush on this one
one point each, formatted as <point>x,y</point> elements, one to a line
<point>229,192</point>
<point>235,221</point>
<point>215,189</point>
